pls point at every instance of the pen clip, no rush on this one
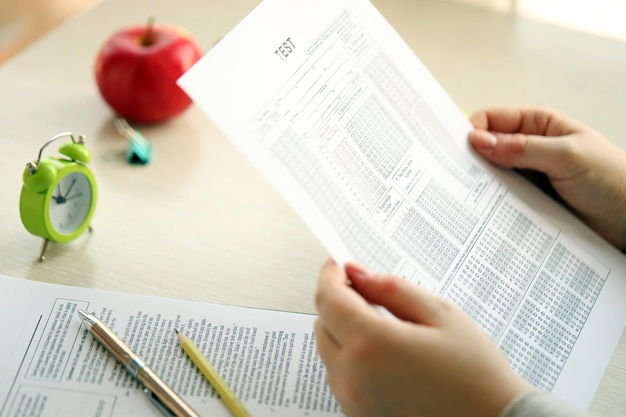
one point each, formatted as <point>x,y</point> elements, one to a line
<point>159,404</point>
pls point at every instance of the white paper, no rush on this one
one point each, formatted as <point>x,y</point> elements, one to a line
<point>336,111</point>
<point>50,366</point>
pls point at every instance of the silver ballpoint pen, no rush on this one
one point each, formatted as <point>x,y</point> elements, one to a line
<point>163,397</point>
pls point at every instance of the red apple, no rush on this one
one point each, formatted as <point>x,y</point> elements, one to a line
<point>137,69</point>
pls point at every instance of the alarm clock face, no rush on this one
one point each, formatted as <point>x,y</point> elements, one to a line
<point>70,203</point>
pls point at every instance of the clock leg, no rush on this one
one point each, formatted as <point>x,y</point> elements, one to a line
<point>44,246</point>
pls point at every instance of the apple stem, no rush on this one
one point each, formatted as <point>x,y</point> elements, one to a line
<point>148,37</point>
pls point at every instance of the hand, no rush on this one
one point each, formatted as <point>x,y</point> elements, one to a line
<point>432,360</point>
<point>587,171</point>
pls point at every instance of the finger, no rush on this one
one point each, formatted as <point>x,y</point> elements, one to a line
<point>549,155</point>
<point>401,298</point>
<point>527,120</point>
<point>327,346</point>
<point>332,279</point>
<point>342,310</point>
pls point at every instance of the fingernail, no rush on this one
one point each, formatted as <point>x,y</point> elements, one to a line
<point>483,139</point>
<point>358,271</point>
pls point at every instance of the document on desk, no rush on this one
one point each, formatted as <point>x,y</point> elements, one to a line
<point>50,366</point>
<point>337,112</point>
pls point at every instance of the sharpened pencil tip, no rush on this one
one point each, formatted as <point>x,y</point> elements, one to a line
<point>176,331</point>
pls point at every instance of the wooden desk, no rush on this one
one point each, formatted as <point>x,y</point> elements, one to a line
<point>199,223</point>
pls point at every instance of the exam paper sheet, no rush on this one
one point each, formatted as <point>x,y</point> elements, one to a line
<point>344,120</point>
<point>50,366</point>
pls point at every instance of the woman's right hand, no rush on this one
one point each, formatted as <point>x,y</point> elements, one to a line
<point>586,170</point>
<point>431,360</point>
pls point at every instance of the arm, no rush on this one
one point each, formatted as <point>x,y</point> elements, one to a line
<point>587,171</point>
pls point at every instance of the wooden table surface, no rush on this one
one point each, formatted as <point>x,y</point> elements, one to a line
<point>198,222</point>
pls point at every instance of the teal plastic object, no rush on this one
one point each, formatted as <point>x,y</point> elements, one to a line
<point>139,149</point>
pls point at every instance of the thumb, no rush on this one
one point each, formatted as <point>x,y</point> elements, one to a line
<point>518,150</point>
<point>403,299</point>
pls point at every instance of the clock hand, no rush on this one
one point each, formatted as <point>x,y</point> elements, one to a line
<point>59,199</point>
<point>70,187</point>
<point>74,196</point>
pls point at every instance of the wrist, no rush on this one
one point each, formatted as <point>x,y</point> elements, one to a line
<point>515,403</point>
<point>540,404</point>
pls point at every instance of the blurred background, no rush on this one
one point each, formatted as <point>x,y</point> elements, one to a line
<point>23,21</point>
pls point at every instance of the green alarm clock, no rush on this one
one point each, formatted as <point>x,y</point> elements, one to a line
<point>58,197</point>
